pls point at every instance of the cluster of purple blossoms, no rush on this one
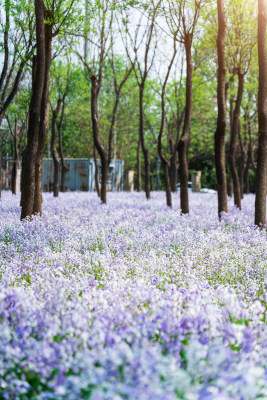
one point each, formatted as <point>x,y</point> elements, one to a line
<point>131,300</point>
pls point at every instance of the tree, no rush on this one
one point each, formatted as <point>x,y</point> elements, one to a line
<point>174,123</point>
<point>142,66</point>
<point>16,134</point>
<point>261,172</point>
<point>240,50</point>
<point>30,154</point>
<point>184,17</point>
<point>51,20</point>
<point>163,158</point>
<point>60,87</point>
<point>17,46</point>
<point>95,65</point>
<point>219,137</point>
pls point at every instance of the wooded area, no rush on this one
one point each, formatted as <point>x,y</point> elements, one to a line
<point>171,82</point>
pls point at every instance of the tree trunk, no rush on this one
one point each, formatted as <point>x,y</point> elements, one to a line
<point>246,172</point>
<point>44,120</point>
<point>139,170</point>
<point>64,167</point>
<point>167,185</point>
<point>250,161</point>
<point>54,149</point>
<point>241,161</point>
<point>261,172</point>
<point>173,172</point>
<point>29,155</point>
<point>230,186</point>
<point>184,140</point>
<point>104,178</point>
<point>175,156</point>
<point>96,173</point>
<point>96,135</point>
<point>163,159</point>
<point>15,164</point>
<point>233,142</point>
<point>219,137</point>
<point>142,138</point>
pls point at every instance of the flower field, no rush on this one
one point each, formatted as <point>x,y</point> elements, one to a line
<point>132,300</point>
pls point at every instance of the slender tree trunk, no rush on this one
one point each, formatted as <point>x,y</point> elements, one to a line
<point>242,161</point>
<point>246,173</point>
<point>139,170</point>
<point>261,172</point>
<point>164,160</point>
<point>142,138</point>
<point>104,178</point>
<point>230,186</point>
<point>231,119</point>
<point>184,139</point>
<point>249,162</point>
<point>15,164</point>
<point>219,137</point>
<point>44,120</point>
<point>167,185</point>
<point>96,173</point>
<point>97,142</point>
<point>54,149</point>
<point>234,141</point>
<point>174,172</point>
<point>23,181</point>
<point>64,167</point>
<point>30,154</point>
<point>112,125</point>
<point>175,155</point>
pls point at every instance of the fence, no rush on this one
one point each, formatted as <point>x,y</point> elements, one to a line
<point>81,174</point>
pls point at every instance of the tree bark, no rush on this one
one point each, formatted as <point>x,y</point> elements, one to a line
<point>44,120</point>
<point>54,149</point>
<point>96,173</point>
<point>234,141</point>
<point>30,154</point>
<point>219,137</point>
<point>139,170</point>
<point>184,139</point>
<point>64,167</point>
<point>174,167</point>
<point>97,142</point>
<point>15,164</point>
<point>242,161</point>
<point>261,172</point>
<point>248,163</point>
<point>16,154</point>
<point>230,186</point>
<point>142,139</point>
<point>231,119</point>
<point>174,172</point>
<point>164,160</point>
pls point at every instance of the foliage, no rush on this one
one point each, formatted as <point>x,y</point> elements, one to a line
<point>72,22</point>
